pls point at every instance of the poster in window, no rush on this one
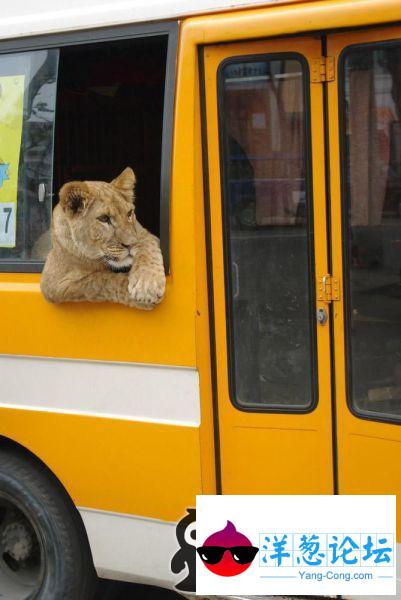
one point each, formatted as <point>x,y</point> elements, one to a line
<point>11,118</point>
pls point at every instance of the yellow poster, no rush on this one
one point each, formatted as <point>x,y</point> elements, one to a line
<point>11,118</point>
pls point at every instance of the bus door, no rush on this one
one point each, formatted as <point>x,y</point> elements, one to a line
<point>300,294</point>
<point>265,154</point>
<point>364,105</point>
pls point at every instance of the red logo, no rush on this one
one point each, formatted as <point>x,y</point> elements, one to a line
<point>227,552</point>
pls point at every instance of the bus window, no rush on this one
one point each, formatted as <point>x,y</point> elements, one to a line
<point>84,112</point>
<point>266,204</point>
<point>372,85</point>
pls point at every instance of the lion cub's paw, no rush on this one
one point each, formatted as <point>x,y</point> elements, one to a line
<point>146,287</point>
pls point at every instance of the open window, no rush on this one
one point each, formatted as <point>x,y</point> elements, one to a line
<point>80,110</point>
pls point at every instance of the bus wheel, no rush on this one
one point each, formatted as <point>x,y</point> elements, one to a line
<point>44,551</point>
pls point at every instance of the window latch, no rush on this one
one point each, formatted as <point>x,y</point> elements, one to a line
<point>41,192</point>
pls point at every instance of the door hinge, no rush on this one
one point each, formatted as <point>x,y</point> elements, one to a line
<point>328,288</point>
<point>323,69</point>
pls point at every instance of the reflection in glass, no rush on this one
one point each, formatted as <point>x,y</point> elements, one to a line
<point>266,224</point>
<point>26,151</point>
<point>372,78</point>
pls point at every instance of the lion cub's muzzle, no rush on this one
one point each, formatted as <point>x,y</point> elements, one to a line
<point>119,261</point>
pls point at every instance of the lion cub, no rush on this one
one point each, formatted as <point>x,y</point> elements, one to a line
<point>100,253</point>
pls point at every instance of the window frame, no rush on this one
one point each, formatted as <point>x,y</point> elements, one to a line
<point>314,392</point>
<point>114,34</point>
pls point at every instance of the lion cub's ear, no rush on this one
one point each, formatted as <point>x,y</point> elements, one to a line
<point>75,198</point>
<point>125,183</point>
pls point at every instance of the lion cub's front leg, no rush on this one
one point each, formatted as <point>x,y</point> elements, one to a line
<point>147,280</point>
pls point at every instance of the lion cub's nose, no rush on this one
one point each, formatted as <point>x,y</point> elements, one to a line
<point>128,246</point>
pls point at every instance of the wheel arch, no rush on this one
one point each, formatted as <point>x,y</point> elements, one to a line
<point>12,446</point>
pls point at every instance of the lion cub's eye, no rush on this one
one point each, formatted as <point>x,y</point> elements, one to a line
<point>104,219</point>
<point>130,214</point>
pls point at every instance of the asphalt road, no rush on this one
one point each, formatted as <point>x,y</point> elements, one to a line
<point>110,590</point>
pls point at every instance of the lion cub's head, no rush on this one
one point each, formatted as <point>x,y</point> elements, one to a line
<point>101,219</point>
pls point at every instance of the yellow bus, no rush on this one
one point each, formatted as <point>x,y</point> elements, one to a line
<point>266,141</point>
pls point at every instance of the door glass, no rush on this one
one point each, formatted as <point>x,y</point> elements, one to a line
<point>372,135</point>
<point>267,233</point>
<point>28,83</point>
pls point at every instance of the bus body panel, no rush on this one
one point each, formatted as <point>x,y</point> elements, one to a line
<point>28,18</point>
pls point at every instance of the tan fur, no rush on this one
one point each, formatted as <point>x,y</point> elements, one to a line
<point>84,249</point>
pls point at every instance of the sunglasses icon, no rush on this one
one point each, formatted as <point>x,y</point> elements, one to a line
<point>240,554</point>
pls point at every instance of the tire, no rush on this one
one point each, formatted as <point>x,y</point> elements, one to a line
<point>44,550</point>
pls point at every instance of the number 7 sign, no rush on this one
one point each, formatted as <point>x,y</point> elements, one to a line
<point>7,225</point>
